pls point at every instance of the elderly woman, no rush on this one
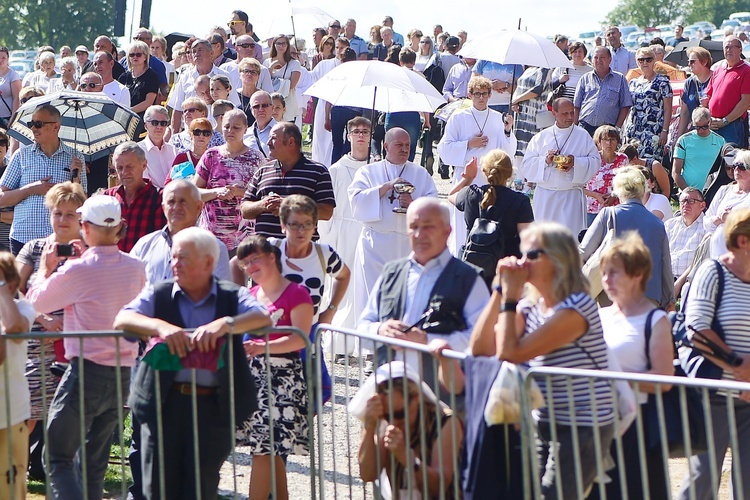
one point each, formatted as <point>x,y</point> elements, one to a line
<point>249,69</point>
<point>183,166</point>
<point>599,188</point>
<point>67,79</point>
<point>702,312</point>
<point>45,74</point>
<point>727,198</point>
<point>529,99</point>
<point>289,304</point>
<point>626,268</point>
<point>542,314</point>
<point>222,175</point>
<point>403,422</point>
<point>10,88</point>
<point>699,62</point>
<point>570,76</point>
<point>192,108</point>
<point>629,185</point>
<point>285,73</point>
<point>648,121</point>
<point>179,55</point>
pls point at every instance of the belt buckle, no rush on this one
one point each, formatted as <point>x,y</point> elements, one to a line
<point>185,389</point>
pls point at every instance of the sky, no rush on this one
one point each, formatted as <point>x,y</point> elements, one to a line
<point>565,17</point>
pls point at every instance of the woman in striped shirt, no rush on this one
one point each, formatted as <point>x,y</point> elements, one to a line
<point>542,314</point>
<point>731,314</point>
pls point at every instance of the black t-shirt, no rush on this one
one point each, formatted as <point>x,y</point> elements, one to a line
<point>140,87</point>
<point>514,208</point>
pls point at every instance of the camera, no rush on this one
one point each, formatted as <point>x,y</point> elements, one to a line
<point>64,250</point>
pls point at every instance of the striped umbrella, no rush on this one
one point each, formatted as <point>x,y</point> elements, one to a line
<point>91,122</point>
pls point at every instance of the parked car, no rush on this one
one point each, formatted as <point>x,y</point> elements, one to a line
<point>22,66</point>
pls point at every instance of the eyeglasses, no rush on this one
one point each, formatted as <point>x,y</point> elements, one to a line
<point>218,115</point>
<point>3,143</point>
<point>645,59</point>
<point>246,45</point>
<point>739,166</point>
<point>727,47</point>
<point>481,95</point>
<point>252,261</point>
<point>702,127</point>
<point>690,201</point>
<point>359,132</point>
<point>205,133</point>
<point>692,61</point>
<point>234,23</point>
<point>158,123</point>
<point>425,41</point>
<point>249,72</point>
<point>296,226</point>
<point>534,254</point>
<point>190,110</point>
<point>265,105</point>
<point>280,43</point>
<point>37,124</point>
<point>136,54</point>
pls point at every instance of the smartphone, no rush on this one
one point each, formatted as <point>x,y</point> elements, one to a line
<point>64,250</point>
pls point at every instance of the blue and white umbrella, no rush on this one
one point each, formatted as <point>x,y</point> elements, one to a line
<point>91,122</point>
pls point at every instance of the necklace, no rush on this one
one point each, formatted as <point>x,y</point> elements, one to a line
<point>560,148</point>
<point>392,197</point>
<point>481,129</point>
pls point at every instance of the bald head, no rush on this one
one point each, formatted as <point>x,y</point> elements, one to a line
<point>428,223</point>
<point>397,146</point>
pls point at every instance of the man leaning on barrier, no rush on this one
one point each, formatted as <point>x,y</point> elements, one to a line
<point>215,308</point>
<point>430,281</point>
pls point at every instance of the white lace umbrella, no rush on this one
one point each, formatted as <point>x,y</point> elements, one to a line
<point>516,47</point>
<point>377,85</point>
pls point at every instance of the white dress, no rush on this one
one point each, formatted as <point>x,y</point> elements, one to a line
<point>322,143</point>
<point>558,196</point>
<point>384,235</point>
<point>454,150</point>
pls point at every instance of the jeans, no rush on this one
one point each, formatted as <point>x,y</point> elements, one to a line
<point>101,405</point>
<point>409,121</point>
<point>340,116</point>
<point>500,108</point>
<point>15,246</point>
<point>734,132</point>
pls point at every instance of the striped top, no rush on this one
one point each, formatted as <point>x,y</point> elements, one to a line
<point>588,352</point>
<point>732,313</point>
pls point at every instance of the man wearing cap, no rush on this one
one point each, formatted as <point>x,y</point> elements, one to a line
<point>448,57</point>
<point>91,287</point>
<point>84,64</point>
<point>33,170</point>
<point>139,198</point>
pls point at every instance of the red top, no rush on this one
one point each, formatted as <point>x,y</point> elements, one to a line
<point>143,216</point>
<point>281,309</point>
<point>726,88</point>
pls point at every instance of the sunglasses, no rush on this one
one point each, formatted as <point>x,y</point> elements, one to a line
<point>136,54</point>
<point>250,71</point>
<point>739,166</point>
<point>3,143</point>
<point>37,124</point>
<point>702,127</point>
<point>335,26</point>
<point>690,201</point>
<point>205,133</point>
<point>645,59</point>
<point>692,61</point>
<point>190,110</point>
<point>158,123</point>
<point>534,254</point>
<point>91,85</point>
<point>233,23</point>
<point>262,106</point>
<point>26,99</point>
<point>246,45</point>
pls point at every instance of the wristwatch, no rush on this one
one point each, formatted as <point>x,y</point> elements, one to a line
<point>230,322</point>
<point>724,122</point>
<point>332,307</point>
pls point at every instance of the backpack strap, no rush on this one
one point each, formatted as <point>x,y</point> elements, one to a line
<point>318,250</point>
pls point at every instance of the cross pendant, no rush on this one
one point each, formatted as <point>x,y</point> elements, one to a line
<point>392,196</point>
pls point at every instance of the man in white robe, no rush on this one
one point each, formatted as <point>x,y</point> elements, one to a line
<point>472,133</point>
<point>384,236</point>
<point>322,142</point>
<point>342,230</point>
<point>559,196</point>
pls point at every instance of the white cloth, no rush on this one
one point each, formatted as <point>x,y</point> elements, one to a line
<point>117,92</point>
<point>726,197</point>
<point>384,235</point>
<point>264,80</point>
<point>183,87</point>
<point>339,232</point>
<point>15,359</point>
<point>659,202</point>
<point>454,150</point>
<point>158,161</point>
<point>558,196</point>
<point>322,143</point>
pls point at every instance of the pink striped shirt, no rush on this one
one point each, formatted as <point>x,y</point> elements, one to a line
<point>92,289</point>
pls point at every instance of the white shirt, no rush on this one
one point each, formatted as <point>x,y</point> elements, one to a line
<point>159,161</point>
<point>254,133</point>
<point>117,92</point>
<point>15,359</point>
<point>183,88</point>
<point>264,80</point>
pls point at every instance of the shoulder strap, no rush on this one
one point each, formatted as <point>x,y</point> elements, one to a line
<point>647,334</point>
<point>321,258</point>
<point>720,288</point>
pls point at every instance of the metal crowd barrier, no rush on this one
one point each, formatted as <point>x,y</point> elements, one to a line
<point>119,447</point>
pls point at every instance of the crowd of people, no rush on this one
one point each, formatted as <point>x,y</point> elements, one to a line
<point>216,221</point>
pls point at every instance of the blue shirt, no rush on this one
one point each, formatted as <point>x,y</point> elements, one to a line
<point>398,38</point>
<point>358,45</point>
<point>600,100</point>
<point>28,165</point>
<point>622,60</point>
<point>457,82</point>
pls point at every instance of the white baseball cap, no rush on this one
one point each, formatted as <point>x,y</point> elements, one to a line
<point>101,210</point>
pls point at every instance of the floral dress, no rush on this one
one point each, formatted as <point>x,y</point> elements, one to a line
<point>646,119</point>
<point>602,181</point>
<point>223,217</point>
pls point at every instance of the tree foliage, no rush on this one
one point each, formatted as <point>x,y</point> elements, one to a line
<point>26,24</point>
<point>646,13</point>
<point>715,10</point>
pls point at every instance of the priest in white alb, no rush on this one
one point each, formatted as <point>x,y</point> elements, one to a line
<point>384,236</point>
<point>472,133</point>
<point>560,160</point>
<point>342,230</point>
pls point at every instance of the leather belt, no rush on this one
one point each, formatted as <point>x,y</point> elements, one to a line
<point>188,389</point>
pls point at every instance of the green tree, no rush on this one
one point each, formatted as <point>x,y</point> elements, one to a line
<point>715,10</point>
<point>27,24</point>
<point>645,13</point>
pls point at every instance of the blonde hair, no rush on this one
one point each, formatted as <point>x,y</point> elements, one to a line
<point>498,168</point>
<point>64,192</point>
<point>629,183</point>
<point>635,257</point>
<point>479,83</point>
<point>736,225</point>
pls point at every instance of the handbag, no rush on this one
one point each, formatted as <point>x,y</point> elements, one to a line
<point>673,422</point>
<point>281,84</point>
<point>592,268</point>
<point>558,92</point>
<point>309,116</point>
<point>504,400</point>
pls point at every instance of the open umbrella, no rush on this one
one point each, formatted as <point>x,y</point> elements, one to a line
<point>679,55</point>
<point>447,111</point>
<point>516,47</point>
<point>290,17</point>
<point>91,122</point>
<point>376,85</point>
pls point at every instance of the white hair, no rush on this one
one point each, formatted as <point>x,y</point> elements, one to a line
<point>427,202</point>
<point>154,109</point>
<point>46,56</point>
<point>195,193</point>
<point>205,242</point>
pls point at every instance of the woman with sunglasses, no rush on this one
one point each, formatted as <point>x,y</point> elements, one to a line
<point>728,197</point>
<point>285,73</point>
<point>192,109</point>
<point>541,314</point>
<point>289,305</point>
<point>222,175</point>
<point>325,50</point>
<point>649,118</point>
<point>249,69</point>
<point>184,163</point>
<point>413,37</point>
<point>699,62</point>
<point>141,81</point>
<point>10,88</point>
